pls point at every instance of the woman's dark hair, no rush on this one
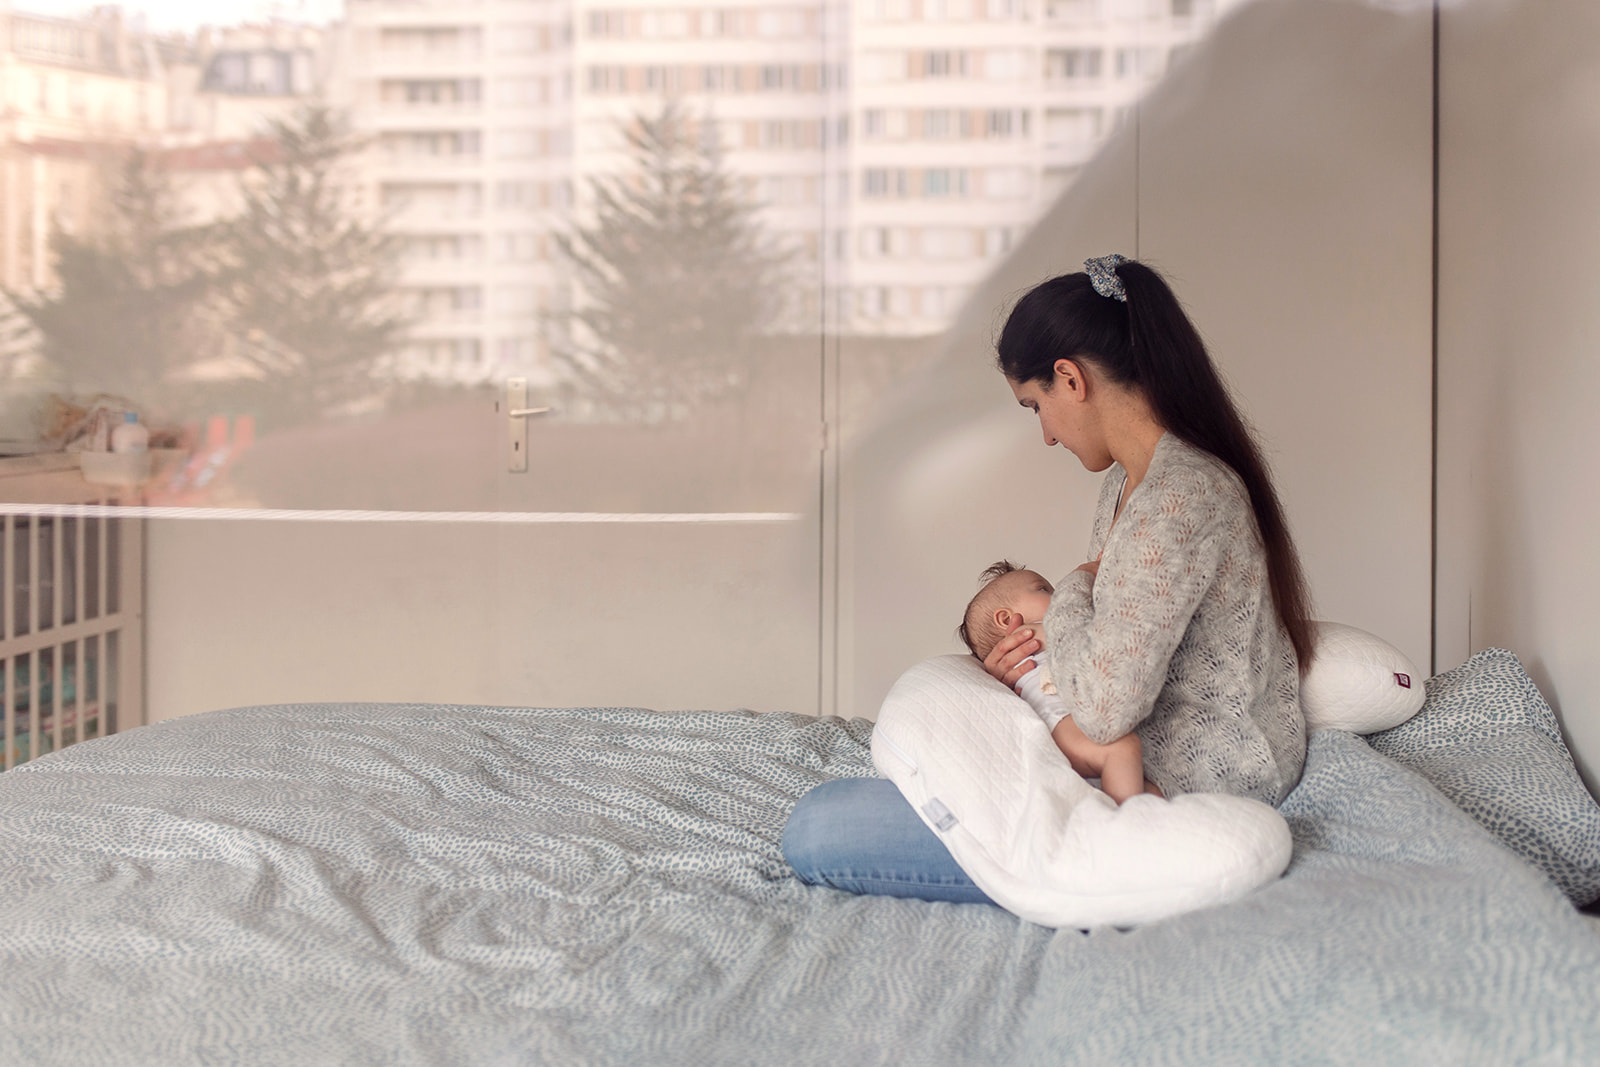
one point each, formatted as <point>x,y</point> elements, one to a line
<point>1149,343</point>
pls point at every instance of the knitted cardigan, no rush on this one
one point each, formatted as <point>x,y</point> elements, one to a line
<point>1178,638</point>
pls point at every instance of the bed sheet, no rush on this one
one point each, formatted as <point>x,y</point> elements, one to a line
<point>422,884</point>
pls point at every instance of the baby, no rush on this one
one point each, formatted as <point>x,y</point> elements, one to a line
<point>1011,595</point>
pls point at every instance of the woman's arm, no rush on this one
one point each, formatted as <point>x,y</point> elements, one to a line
<point>1111,636</point>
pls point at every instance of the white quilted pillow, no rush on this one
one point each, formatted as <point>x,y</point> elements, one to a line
<point>981,770</point>
<point>1358,682</point>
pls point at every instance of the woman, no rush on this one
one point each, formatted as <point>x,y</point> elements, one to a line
<point>1189,624</point>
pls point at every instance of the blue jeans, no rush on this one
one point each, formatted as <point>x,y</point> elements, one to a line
<point>860,835</point>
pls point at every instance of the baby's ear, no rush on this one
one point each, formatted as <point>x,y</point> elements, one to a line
<point>1002,619</point>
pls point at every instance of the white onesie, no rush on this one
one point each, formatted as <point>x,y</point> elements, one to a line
<point>1039,691</point>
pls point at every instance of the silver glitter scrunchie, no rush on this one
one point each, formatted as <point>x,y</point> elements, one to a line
<point>1103,276</point>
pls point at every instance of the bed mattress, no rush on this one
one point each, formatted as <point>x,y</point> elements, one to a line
<point>424,884</point>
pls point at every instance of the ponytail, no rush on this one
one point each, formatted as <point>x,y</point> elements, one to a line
<point>1138,336</point>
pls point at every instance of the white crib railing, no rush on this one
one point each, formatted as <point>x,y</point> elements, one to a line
<point>71,630</point>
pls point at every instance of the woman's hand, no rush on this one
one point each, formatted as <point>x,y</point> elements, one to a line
<point>1011,656</point>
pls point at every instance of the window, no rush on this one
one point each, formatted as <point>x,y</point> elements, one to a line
<point>775,77</point>
<point>879,183</point>
<point>1071,10</point>
<point>1072,63</point>
<point>658,79</point>
<point>608,79</point>
<point>608,24</point>
<point>944,64</point>
<point>944,182</point>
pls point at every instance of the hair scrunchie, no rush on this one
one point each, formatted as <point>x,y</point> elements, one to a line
<point>1103,276</point>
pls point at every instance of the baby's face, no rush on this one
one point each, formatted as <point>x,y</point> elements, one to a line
<point>1022,593</point>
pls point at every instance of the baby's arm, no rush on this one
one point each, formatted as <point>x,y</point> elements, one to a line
<point>1119,765</point>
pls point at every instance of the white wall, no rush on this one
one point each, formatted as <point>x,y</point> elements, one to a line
<point>1519,348</point>
<point>1282,178</point>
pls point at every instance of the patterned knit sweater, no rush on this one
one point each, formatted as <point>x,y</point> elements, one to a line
<point>1178,638</point>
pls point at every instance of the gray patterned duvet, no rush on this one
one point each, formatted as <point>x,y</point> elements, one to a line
<point>359,884</point>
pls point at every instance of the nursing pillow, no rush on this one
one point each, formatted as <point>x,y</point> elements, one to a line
<point>1358,682</point>
<point>982,772</point>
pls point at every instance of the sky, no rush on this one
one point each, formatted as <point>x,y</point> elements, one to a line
<point>190,15</point>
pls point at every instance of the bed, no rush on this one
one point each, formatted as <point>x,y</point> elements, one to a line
<point>355,884</point>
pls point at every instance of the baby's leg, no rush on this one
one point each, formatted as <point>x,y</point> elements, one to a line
<point>1119,765</point>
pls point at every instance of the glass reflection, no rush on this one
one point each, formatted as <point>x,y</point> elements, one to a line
<point>311,257</point>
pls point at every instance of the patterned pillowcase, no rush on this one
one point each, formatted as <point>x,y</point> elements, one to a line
<point>1487,740</point>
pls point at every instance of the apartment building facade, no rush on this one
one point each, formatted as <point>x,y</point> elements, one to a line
<point>896,147</point>
<point>469,109</point>
<point>72,89</point>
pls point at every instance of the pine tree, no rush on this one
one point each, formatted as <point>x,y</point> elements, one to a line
<point>676,283</point>
<point>308,283</point>
<point>122,313</point>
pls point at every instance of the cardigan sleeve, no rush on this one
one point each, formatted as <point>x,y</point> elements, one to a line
<point>1110,638</point>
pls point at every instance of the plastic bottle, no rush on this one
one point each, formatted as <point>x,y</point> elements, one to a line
<point>130,435</point>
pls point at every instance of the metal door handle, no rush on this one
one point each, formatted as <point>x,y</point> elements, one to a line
<point>517,413</point>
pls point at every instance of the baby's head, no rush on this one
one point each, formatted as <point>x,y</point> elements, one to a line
<point>1009,595</point>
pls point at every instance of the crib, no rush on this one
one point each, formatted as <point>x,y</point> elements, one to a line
<point>71,607</point>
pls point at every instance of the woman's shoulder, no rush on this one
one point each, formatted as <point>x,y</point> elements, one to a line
<point>1183,473</point>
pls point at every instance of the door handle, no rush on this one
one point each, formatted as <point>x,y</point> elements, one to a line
<point>517,413</point>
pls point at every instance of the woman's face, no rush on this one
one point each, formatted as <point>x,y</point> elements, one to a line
<point>1064,414</point>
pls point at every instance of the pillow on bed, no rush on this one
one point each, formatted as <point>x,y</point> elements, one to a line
<point>1487,740</point>
<point>981,770</point>
<point>1358,682</point>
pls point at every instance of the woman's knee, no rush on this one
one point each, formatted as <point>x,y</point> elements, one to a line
<point>810,836</point>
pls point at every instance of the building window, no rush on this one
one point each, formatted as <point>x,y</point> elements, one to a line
<point>944,64</point>
<point>942,182</point>
<point>1073,64</point>
<point>880,183</point>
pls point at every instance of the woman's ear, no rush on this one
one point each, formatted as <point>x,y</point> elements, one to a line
<point>1070,375</point>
